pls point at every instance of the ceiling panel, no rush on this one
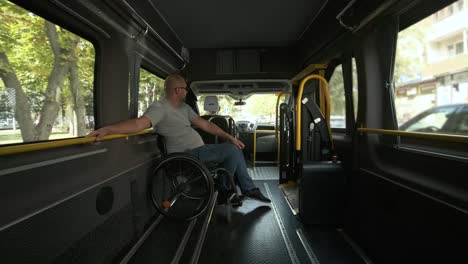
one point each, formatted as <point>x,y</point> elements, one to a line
<point>238,23</point>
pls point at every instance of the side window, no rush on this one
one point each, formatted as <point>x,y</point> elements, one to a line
<point>430,70</point>
<point>337,97</point>
<point>47,75</point>
<point>355,89</point>
<point>151,89</point>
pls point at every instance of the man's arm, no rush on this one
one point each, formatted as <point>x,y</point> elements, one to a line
<point>215,130</point>
<point>124,127</point>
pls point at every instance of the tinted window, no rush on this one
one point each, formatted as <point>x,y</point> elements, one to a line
<point>151,89</point>
<point>337,97</point>
<point>47,75</point>
<point>431,68</point>
<point>355,89</point>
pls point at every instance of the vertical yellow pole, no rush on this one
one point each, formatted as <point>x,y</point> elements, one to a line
<point>322,95</point>
<point>277,134</point>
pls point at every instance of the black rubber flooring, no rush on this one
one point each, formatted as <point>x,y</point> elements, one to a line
<point>254,235</point>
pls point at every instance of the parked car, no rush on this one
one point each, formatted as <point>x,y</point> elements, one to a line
<point>450,119</point>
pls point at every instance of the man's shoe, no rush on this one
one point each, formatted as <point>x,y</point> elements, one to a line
<point>257,195</point>
<point>234,200</point>
<point>224,196</point>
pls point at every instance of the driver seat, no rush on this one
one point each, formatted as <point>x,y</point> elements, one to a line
<point>226,123</point>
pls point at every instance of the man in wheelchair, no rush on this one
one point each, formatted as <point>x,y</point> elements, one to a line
<point>172,118</point>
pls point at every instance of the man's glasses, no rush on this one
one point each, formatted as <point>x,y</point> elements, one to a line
<point>185,88</point>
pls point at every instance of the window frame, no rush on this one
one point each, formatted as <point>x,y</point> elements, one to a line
<point>136,63</point>
<point>430,147</point>
<point>346,62</point>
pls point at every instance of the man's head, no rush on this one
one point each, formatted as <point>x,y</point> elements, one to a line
<point>175,88</point>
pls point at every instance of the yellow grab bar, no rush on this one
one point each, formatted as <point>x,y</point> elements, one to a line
<point>324,90</point>
<point>277,126</point>
<point>63,143</point>
<point>422,135</point>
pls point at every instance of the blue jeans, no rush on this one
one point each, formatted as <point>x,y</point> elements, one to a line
<point>232,160</point>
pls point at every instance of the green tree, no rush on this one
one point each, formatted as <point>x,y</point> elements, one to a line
<point>263,106</point>
<point>336,90</point>
<point>151,89</point>
<point>38,60</point>
<point>411,52</point>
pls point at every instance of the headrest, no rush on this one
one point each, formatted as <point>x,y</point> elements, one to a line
<point>211,104</point>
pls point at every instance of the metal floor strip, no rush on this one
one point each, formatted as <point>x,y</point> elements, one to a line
<point>355,247</point>
<point>310,253</point>
<point>140,241</point>
<point>287,241</point>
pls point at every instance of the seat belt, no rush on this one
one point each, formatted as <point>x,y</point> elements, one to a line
<point>320,124</point>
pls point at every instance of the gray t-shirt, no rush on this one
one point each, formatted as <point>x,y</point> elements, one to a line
<point>175,125</point>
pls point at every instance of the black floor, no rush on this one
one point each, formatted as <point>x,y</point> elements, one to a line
<point>257,233</point>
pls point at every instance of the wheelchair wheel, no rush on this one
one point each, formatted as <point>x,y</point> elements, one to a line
<point>181,187</point>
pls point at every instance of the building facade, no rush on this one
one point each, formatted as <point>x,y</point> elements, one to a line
<point>444,73</point>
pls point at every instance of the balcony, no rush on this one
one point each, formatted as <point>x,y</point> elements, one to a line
<point>448,27</point>
<point>453,64</point>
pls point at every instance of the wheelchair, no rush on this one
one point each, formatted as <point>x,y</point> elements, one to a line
<point>181,186</point>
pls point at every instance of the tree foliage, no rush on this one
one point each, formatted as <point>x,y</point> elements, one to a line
<point>49,72</point>
<point>336,90</point>
<point>151,88</point>
<point>258,107</point>
<point>411,52</point>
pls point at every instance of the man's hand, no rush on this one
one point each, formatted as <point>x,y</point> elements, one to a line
<point>215,130</point>
<point>100,133</point>
<point>124,127</point>
<point>237,142</point>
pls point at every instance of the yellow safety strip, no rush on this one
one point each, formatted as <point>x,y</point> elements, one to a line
<point>8,150</point>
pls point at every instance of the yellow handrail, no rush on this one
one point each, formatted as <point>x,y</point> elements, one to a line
<point>323,101</point>
<point>277,136</point>
<point>8,150</point>
<point>324,90</point>
<point>422,135</point>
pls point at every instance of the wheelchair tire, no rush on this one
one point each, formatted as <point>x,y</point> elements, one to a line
<point>181,187</point>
